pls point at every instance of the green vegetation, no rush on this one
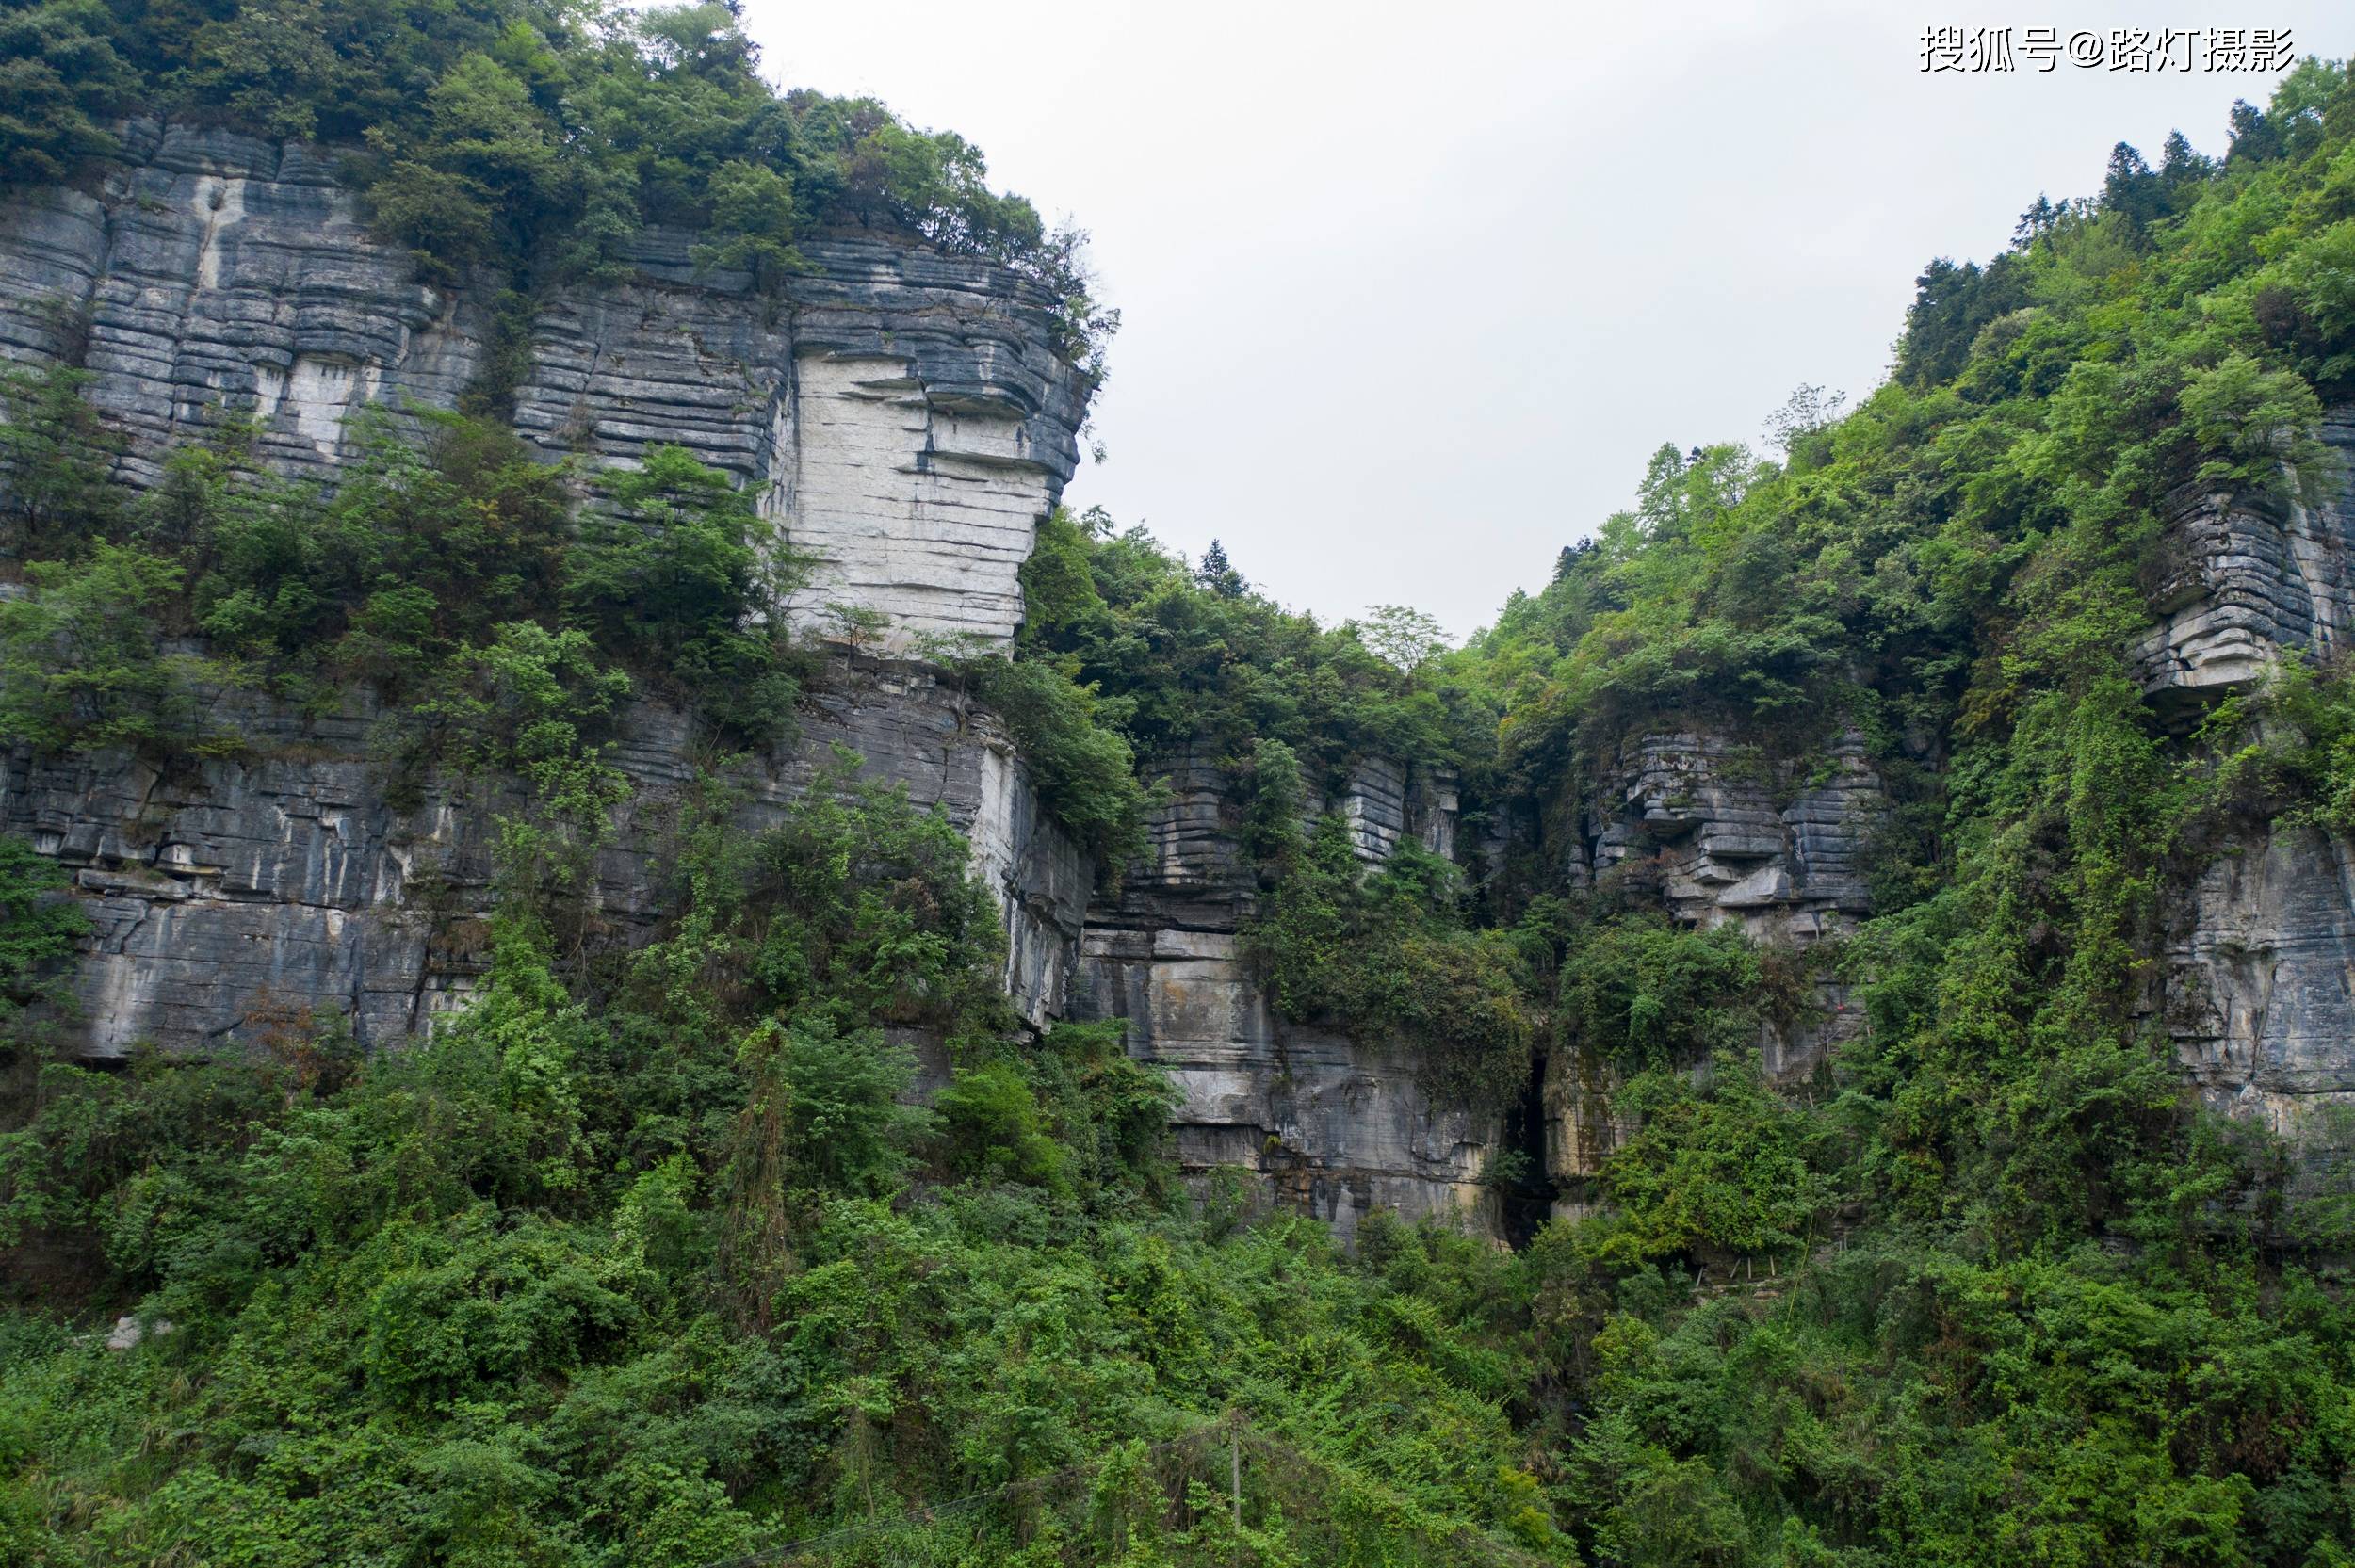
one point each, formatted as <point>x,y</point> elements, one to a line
<point>2028,1304</point>
<point>1193,660</point>
<point>516,133</point>
<point>1992,1290</point>
<point>680,1272</point>
<point>656,1256</point>
<point>1131,658</point>
<point>1383,955</point>
<point>450,570</point>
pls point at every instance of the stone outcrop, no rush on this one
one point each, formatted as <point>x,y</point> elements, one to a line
<point>1339,1126</point>
<point>2259,980</point>
<point>1718,833</point>
<point>2257,986</point>
<point>2257,989</point>
<point>904,417</point>
<point>1724,837</point>
<point>2248,579</point>
<point>238,892</point>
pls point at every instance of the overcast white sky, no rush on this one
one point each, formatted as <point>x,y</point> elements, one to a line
<point>1411,293</point>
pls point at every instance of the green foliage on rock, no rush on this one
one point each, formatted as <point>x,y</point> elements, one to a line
<point>663,1255</point>
<point>669,1265</point>
<point>449,569</point>
<point>1990,1289</point>
<point>1383,954</point>
<point>530,138</point>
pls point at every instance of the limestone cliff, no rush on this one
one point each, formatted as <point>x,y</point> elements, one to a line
<point>287,879</point>
<point>2257,988</point>
<point>1340,1126</point>
<point>904,417</point>
<point>1715,832</point>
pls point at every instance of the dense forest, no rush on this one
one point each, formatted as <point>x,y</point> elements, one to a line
<point>653,1257</point>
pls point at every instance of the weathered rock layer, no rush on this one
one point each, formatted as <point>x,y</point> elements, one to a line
<point>1339,1126</point>
<point>903,415</point>
<point>234,893</point>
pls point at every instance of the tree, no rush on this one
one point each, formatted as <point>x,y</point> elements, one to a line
<point>2035,222</point>
<point>1951,304</point>
<point>754,215</point>
<point>40,928</point>
<point>2130,189</point>
<point>53,450</point>
<point>82,661</point>
<point>2254,138</point>
<point>1803,413</point>
<point>1217,574</point>
<point>1404,636</point>
<point>60,79</point>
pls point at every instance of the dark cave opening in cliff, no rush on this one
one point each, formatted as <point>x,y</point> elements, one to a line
<point>1525,1189</point>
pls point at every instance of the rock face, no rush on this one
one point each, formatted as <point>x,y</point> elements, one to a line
<point>1339,1126</point>
<point>239,893</point>
<point>213,275</point>
<point>1717,834</point>
<point>2249,578</point>
<point>904,417</point>
<point>1721,836</point>
<point>2258,986</point>
<point>1725,837</point>
<point>2260,982</point>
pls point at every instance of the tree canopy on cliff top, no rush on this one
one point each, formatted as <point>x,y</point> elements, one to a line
<point>529,135</point>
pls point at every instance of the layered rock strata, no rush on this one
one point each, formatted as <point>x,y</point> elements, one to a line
<point>2249,579</point>
<point>1720,834</point>
<point>1339,1126</point>
<point>904,417</point>
<point>232,894</point>
<point>2257,989</point>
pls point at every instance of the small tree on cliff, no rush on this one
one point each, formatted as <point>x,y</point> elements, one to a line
<point>1219,576</point>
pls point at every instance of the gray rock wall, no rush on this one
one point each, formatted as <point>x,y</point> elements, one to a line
<point>1338,1126</point>
<point>2257,987</point>
<point>235,891</point>
<point>2259,980</point>
<point>1718,833</point>
<point>903,415</point>
<point>1725,836</point>
<point>2246,579</point>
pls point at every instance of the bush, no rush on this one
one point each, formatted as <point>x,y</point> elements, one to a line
<point>1084,771</point>
<point>84,661</point>
<point>1643,993</point>
<point>39,930</point>
<point>991,1130</point>
<point>1380,956</point>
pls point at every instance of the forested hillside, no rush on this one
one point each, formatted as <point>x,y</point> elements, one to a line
<point>672,1250</point>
